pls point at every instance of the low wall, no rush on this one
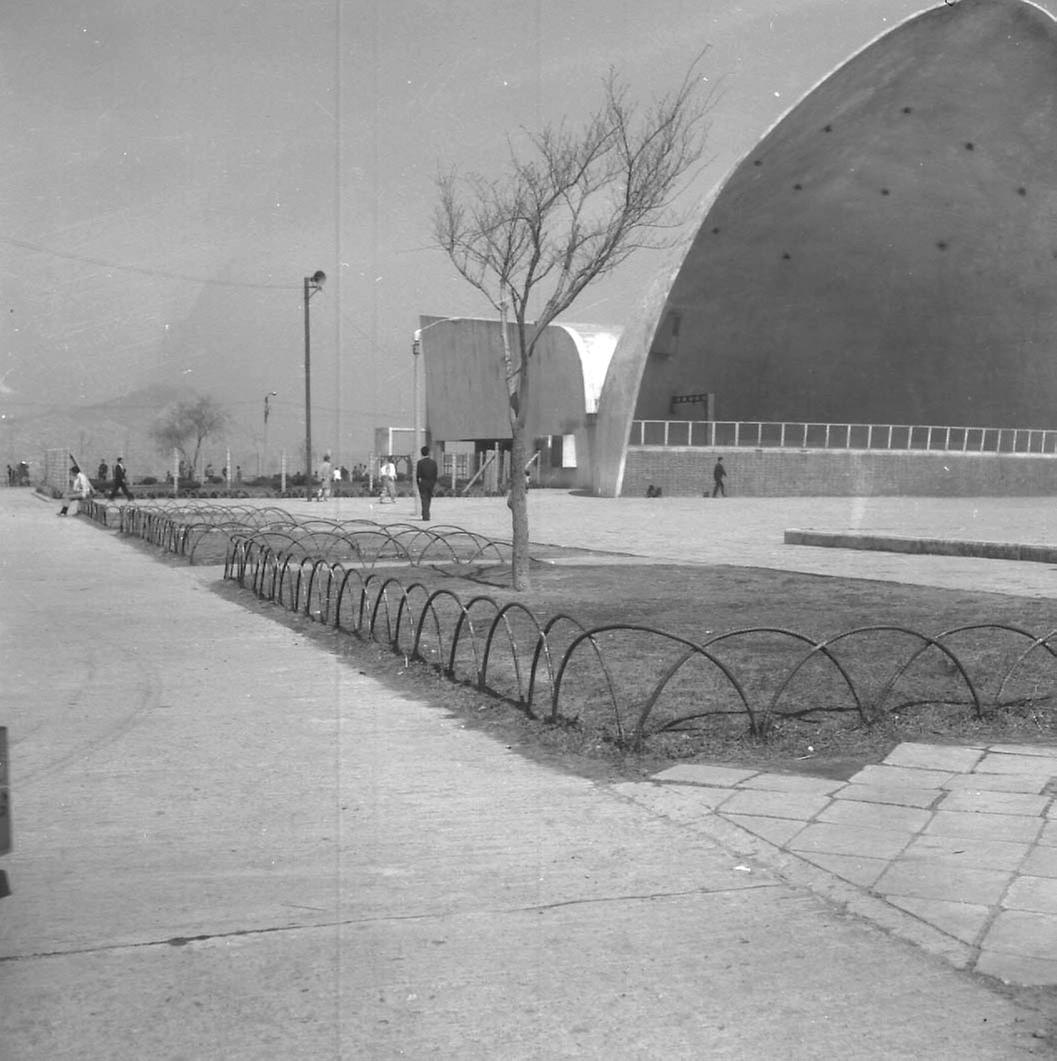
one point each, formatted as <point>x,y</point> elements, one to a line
<point>687,472</point>
<point>896,543</point>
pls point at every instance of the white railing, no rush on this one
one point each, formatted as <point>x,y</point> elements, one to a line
<point>759,434</point>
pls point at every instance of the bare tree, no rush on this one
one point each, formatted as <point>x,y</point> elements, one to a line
<point>186,425</point>
<point>567,212</point>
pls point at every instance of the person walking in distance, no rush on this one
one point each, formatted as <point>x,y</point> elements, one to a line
<point>719,473</point>
<point>387,473</point>
<point>426,480</point>
<point>326,479</point>
<point>120,481</point>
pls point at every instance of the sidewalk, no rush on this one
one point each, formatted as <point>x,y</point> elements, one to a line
<point>962,838</point>
<point>231,843</point>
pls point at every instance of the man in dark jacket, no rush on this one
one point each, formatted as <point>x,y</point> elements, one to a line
<point>719,473</point>
<point>120,481</point>
<point>426,480</point>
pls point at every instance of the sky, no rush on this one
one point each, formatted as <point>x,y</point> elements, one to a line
<point>174,170</point>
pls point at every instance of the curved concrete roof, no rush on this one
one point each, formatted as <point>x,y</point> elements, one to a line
<point>887,253</point>
<point>466,392</point>
<point>595,344</point>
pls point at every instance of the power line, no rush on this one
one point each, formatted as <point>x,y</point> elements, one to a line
<point>163,273</point>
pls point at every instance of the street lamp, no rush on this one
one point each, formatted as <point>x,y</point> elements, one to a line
<point>416,351</point>
<point>313,284</point>
<point>267,412</point>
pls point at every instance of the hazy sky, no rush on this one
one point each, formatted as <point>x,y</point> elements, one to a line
<point>174,169</point>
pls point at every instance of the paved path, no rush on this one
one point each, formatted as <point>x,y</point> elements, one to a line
<point>231,843</point>
<point>963,838</point>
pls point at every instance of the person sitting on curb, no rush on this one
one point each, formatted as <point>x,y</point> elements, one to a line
<point>82,491</point>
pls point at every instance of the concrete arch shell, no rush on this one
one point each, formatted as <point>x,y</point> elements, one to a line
<point>886,254</point>
<point>466,394</point>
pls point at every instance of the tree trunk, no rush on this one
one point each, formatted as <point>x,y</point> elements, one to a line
<point>517,382</point>
<point>521,577</point>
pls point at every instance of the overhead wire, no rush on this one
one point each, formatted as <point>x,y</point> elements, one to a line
<point>141,270</point>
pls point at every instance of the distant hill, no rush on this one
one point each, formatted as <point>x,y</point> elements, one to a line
<point>117,427</point>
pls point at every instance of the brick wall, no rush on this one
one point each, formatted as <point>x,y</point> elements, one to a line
<point>687,472</point>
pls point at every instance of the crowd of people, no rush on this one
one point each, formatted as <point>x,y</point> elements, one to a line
<point>18,475</point>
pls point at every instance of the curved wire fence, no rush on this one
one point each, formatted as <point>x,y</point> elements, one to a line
<point>628,683</point>
<point>631,682</point>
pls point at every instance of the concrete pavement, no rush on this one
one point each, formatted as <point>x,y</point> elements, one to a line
<point>964,838</point>
<point>232,843</point>
<point>750,531</point>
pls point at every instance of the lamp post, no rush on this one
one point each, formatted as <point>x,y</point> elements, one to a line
<point>267,412</point>
<point>416,352</point>
<point>313,284</point>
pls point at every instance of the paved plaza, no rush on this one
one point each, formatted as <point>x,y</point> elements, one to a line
<point>964,839</point>
<point>231,842</point>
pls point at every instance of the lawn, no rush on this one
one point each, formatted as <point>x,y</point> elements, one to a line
<point>655,700</point>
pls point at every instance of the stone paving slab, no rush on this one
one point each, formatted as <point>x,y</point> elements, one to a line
<point>703,774</point>
<point>995,803</point>
<point>883,776</point>
<point>778,831</point>
<point>1038,894</point>
<point>995,762</point>
<point>875,816</point>
<point>1042,862</point>
<point>985,826</point>
<point>1042,751</point>
<point>933,879</point>
<point>960,851</point>
<point>935,757</point>
<point>1033,784</point>
<point>801,806</point>
<point>856,869</point>
<point>899,797</point>
<point>792,783</point>
<point>685,803</point>
<point>851,840</point>
<point>964,921</point>
<point>1023,932</point>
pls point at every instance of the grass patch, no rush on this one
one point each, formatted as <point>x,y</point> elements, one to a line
<point>816,726</point>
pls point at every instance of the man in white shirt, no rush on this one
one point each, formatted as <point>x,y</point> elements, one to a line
<point>387,473</point>
<point>326,479</point>
<point>82,491</point>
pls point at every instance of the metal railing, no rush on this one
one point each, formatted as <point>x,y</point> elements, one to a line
<point>762,434</point>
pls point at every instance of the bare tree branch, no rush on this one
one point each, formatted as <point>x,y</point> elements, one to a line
<point>570,209</point>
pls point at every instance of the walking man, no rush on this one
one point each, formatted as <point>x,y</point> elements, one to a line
<point>387,472</point>
<point>426,480</point>
<point>120,481</point>
<point>326,479</point>
<point>719,473</point>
